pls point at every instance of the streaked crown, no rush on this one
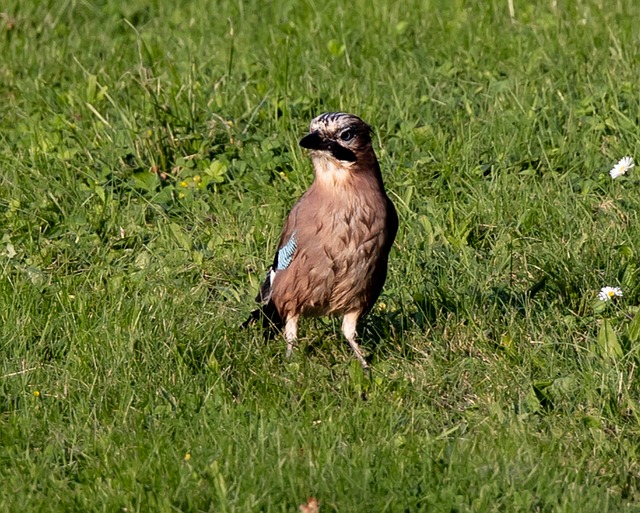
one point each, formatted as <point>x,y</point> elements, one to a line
<point>341,127</point>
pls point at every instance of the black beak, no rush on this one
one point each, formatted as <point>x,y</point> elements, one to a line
<point>314,141</point>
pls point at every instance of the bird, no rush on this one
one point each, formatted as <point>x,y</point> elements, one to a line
<point>333,251</point>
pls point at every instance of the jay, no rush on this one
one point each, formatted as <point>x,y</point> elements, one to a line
<point>334,247</point>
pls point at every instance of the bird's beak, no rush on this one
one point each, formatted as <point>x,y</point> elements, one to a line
<point>314,141</point>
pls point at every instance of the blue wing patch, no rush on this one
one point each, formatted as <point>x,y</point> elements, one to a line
<point>285,253</point>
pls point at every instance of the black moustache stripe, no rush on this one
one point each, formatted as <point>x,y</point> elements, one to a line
<point>342,153</point>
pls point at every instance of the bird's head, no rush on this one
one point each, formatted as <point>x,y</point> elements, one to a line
<point>340,136</point>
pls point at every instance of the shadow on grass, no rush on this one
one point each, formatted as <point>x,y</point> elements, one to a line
<point>386,333</point>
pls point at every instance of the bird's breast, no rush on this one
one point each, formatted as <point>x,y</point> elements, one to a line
<point>352,245</point>
<point>341,255</point>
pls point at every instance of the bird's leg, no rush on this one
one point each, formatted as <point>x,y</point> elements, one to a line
<point>349,330</point>
<point>291,333</point>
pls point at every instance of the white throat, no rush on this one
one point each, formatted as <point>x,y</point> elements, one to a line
<point>330,171</point>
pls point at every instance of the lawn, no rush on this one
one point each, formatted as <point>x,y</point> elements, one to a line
<point>148,157</point>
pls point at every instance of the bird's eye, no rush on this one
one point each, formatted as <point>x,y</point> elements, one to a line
<point>347,135</point>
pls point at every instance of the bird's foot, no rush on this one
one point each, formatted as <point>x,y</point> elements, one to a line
<point>358,352</point>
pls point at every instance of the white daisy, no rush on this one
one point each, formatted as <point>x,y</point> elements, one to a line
<point>607,293</point>
<point>623,165</point>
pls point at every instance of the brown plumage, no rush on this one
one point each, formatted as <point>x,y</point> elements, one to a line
<point>334,247</point>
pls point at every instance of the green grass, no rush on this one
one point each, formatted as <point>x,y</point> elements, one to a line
<point>148,156</point>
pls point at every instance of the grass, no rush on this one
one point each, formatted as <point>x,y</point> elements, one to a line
<point>148,155</point>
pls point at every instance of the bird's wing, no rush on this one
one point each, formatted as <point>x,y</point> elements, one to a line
<point>285,254</point>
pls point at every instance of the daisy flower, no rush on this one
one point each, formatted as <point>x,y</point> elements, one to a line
<point>623,165</point>
<point>607,293</point>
